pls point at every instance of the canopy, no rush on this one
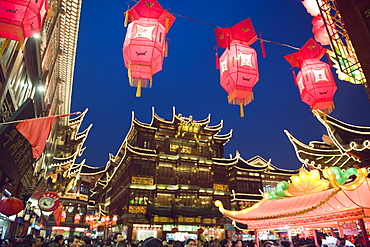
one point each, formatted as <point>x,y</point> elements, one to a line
<point>319,209</point>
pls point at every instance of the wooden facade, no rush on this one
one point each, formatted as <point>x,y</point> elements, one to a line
<point>172,171</point>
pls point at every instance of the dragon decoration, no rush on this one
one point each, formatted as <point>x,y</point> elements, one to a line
<point>307,182</point>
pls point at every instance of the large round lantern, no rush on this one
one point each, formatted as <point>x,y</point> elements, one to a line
<point>10,206</point>
<point>144,45</point>
<point>20,19</point>
<point>238,63</point>
<point>315,81</point>
<point>175,229</point>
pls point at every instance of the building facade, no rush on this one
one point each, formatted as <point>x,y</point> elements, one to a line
<point>165,177</point>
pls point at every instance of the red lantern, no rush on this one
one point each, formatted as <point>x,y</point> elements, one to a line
<point>200,230</point>
<point>238,64</point>
<point>145,42</point>
<point>10,206</point>
<point>20,19</point>
<point>315,81</point>
<point>175,229</point>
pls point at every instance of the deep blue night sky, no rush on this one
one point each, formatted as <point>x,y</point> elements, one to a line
<point>190,82</point>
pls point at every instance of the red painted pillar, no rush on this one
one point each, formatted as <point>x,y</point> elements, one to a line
<point>364,232</point>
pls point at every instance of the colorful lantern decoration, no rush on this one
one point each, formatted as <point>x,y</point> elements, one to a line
<point>175,229</point>
<point>315,81</point>
<point>10,206</point>
<point>145,42</point>
<point>77,218</point>
<point>238,63</point>
<point>20,19</point>
<point>200,230</point>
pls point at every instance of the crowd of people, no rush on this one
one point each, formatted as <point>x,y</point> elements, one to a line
<point>117,240</point>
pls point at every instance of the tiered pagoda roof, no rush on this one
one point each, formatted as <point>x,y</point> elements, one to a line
<point>257,163</point>
<point>350,139</point>
<point>204,127</point>
<point>320,155</point>
<point>345,145</point>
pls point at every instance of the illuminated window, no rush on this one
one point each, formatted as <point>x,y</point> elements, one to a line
<point>174,147</point>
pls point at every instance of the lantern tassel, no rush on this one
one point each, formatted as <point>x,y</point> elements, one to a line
<point>129,74</point>
<point>50,11</point>
<point>126,19</point>
<point>228,41</point>
<point>138,90</point>
<point>294,77</point>
<point>166,49</point>
<point>263,48</point>
<point>217,61</point>
<point>241,109</point>
<point>4,46</point>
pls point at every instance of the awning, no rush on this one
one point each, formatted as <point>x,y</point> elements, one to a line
<point>319,209</point>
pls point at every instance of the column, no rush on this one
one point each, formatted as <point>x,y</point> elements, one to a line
<point>364,232</point>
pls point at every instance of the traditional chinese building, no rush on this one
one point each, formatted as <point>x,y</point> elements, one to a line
<point>345,145</point>
<point>36,75</point>
<point>167,174</point>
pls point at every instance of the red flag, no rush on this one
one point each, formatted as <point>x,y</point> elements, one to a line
<point>58,214</point>
<point>36,131</point>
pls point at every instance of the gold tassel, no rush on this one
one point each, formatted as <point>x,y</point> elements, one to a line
<point>126,19</point>
<point>4,46</point>
<point>241,109</point>
<point>166,50</point>
<point>138,90</point>
<point>151,78</point>
<point>50,11</point>
<point>129,74</point>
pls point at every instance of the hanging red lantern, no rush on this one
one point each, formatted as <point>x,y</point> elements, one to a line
<point>145,42</point>
<point>20,19</point>
<point>175,229</point>
<point>315,81</point>
<point>238,63</point>
<point>10,206</point>
<point>200,230</point>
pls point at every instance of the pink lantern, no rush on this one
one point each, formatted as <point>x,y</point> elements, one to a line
<point>315,81</point>
<point>145,42</point>
<point>319,30</point>
<point>238,64</point>
<point>20,19</point>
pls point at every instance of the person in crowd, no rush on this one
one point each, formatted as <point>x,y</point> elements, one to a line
<point>238,243</point>
<point>251,244</point>
<point>190,243</point>
<point>85,241</point>
<point>152,242</point>
<point>57,242</point>
<point>40,241</point>
<point>215,243</point>
<point>74,241</point>
<point>118,240</point>
<point>341,242</point>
